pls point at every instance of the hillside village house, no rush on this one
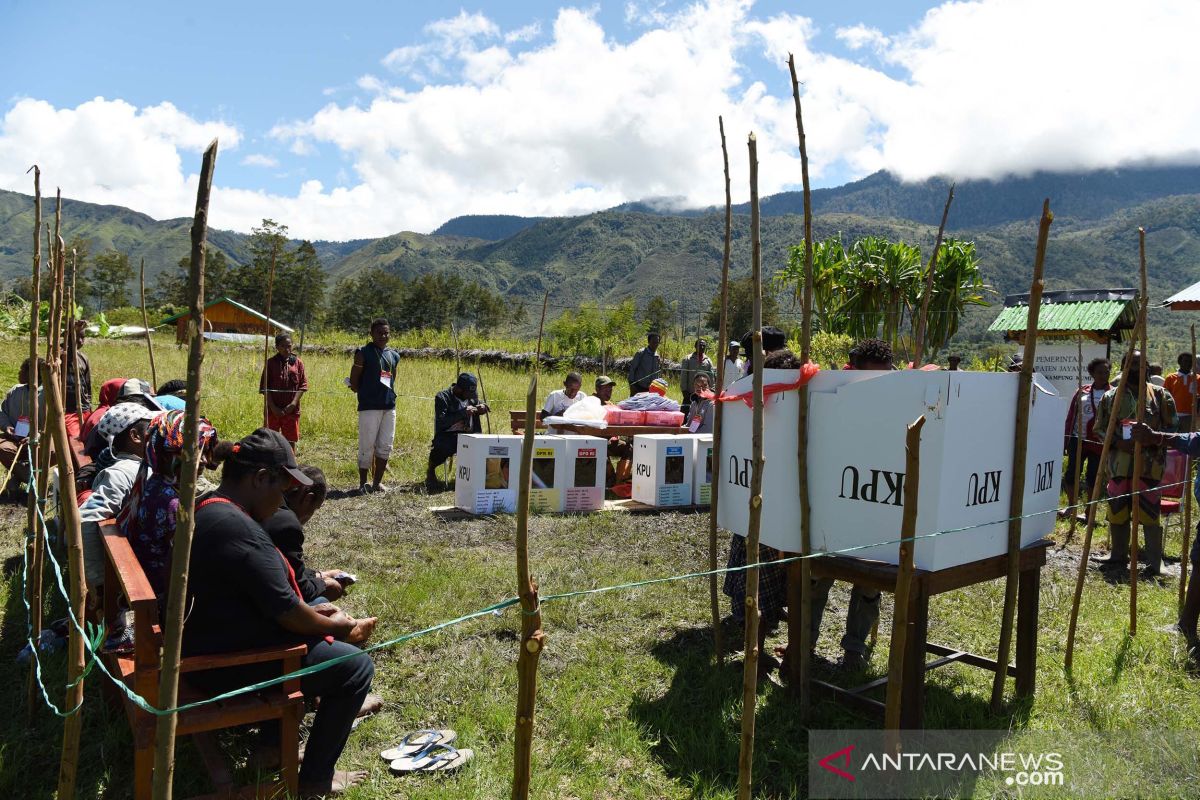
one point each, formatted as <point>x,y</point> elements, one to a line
<point>226,316</point>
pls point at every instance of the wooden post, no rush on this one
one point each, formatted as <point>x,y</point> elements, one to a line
<point>1136,483</point>
<point>70,531</point>
<point>750,661</point>
<point>146,325</point>
<point>1101,479</point>
<point>168,686</point>
<point>483,395</point>
<point>457,353</point>
<point>533,640</point>
<point>1021,443</point>
<point>923,322</point>
<point>713,595</point>
<point>799,573</point>
<point>33,528</point>
<point>267,336</point>
<point>1187,487</point>
<point>1079,432</point>
<point>75,342</point>
<point>896,654</point>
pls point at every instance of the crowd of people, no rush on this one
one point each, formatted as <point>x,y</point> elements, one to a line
<point>248,561</point>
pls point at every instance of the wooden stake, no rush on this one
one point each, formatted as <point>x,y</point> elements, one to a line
<point>750,662</point>
<point>922,323</point>
<point>722,353</point>
<point>33,528</point>
<point>267,336</point>
<point>1187,488</point>
<point>70,530</point>
<point>75,342</point>
<point>1101,480</point>
<point>1136,482</point>
<point>146,325</point>
<point>799,573</point>
<point>1016,502</point>
<point>457,354</point>
<point>1079,432</point>
<point>533,640</point>
<point>483,395</point>
<point>896,676</point>
<point>168,686</point>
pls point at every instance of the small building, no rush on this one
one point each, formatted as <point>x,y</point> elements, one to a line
<point>225,315</point>
<point>1186,300</point>
<point>1071,323</point>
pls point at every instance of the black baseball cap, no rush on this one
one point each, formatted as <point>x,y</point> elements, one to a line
<point>268,448</point>
<point>466,380</point>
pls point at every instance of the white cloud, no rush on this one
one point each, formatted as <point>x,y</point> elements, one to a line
<point>259,160</point>
<point>526,33</point>
<point>856,37</point>
<point>579,121</point>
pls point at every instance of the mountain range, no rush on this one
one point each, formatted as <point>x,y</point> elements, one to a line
<point>642,249</point>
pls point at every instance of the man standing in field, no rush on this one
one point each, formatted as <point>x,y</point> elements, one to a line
<point>284,382</point>
<point>696,364</point>
<point>1182,386</point>
<point>372,378</point>
<point>456,410</point>
<point>735,367</point>
<point>645,365</point>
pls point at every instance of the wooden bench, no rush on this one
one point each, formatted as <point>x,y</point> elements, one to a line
<point>140,671</point>
<point>516,421</point>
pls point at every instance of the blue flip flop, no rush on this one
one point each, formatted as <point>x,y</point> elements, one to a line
<point>434,758</point>
<point>415,742</point>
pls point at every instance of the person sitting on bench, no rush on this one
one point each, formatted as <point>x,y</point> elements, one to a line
<point>286,529</point>
<point>243,595</point>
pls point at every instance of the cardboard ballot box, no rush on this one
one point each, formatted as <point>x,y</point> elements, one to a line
<point>702,457</point>
<point>487,473</point>
<point>584,466</point>
<point>548,474</point>
<point>662,469</point>
<point>856,462</point>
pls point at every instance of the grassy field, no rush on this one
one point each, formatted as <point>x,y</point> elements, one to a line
<point>630,703</point>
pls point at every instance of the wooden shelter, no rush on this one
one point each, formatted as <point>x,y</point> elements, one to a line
<point>1186,300</point>
<point>1101,315</point>
<point>224,315</point>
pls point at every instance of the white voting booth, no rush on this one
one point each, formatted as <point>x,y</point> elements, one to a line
<point>662,469</point>
<point>487,473</point>
<point>856,461</point>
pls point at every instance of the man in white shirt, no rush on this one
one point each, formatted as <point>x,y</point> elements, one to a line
<point>562,399</point>
<point>735,367</point>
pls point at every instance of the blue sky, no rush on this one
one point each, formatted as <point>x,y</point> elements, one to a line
<point>485,107</point>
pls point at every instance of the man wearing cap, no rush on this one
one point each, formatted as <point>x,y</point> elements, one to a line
<point>133,390</point>
<point>243,596</point>
<point>645,366</point>
<point>618,448</point>
<point>372,378</point>
<point>735,367</point>
<point>698,363</point>
<point>562,399</point>
<point>455,410</point>
<point>283,382</point>
<point>123,429</point>
<point>14,424</point>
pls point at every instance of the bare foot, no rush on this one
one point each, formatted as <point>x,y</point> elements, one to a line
<point>342,780</point>
<point>372,704</point>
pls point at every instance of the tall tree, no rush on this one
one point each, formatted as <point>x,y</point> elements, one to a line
<point>111,273</point>
<point>82,247</point>
<point>741,308</point>
<point>300,287</point>
<point>658,315</point>
<point>171,288</point>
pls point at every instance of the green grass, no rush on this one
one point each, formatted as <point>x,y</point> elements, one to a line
<point>630,704</point>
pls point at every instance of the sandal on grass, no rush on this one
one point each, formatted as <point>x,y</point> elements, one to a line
<point>434,758</point>
<point>417,741</point>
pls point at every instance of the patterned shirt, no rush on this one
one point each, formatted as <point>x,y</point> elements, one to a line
<point>1160,416</point>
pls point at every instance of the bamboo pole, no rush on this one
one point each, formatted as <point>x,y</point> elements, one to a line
<point>267,336</point>
<point>457,352</point>
<point>70,530</point>
<point>1187,489</point>
<point>799,573</point>
<point>75,341</point>
<point>922,323</point>
<point>719,412</point>
<point>33,529</point>
<point>1101,479</point>
<point>146,325</point>
<point>1020,445</point>
<point>483,395</point>
<point>895,680</point>
<point>750,662</point>
<point>1138,456</point>
<point>533,639</point>
<point>168,687</point>
<point>1079,432</point>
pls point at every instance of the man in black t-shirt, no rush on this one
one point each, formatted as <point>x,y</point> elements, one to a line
<point>242,595</point>
<point>455,410</point>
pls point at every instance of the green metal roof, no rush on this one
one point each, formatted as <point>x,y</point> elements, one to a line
<point>1099,315</point>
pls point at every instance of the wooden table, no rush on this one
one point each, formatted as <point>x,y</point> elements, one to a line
<point>882,577</point>
<point>620,430</point>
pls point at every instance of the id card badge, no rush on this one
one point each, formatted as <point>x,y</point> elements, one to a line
<point>21,430</point>
<point>385,378</point>
<point>694,425</point>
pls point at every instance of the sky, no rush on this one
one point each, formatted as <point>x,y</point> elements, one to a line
<point>362,119</point>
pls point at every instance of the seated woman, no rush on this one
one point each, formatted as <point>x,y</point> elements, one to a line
<point>286,529</point>
<point>701,410</point>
